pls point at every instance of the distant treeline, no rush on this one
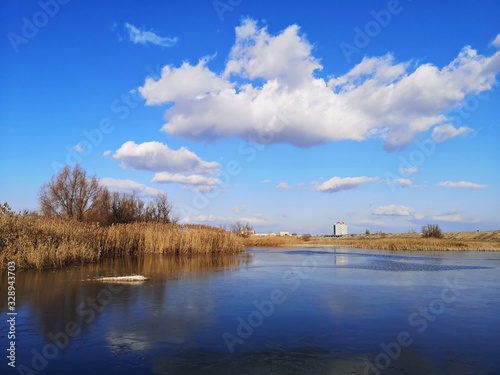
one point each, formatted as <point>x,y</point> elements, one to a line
<point>82,221</point>
<point>74,195</point>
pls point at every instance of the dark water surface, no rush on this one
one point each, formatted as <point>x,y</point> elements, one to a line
<point>267,311</point>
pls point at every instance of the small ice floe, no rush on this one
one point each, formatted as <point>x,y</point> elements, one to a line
<point>119,279</point>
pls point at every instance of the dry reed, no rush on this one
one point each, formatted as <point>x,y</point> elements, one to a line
<point>388,242</point>
<point>33,241</point>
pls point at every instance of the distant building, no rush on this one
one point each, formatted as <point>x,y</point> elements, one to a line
<point>339,228</point>
<point>284,233</point>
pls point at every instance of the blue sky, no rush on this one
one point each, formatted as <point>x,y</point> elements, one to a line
<point>286,115</point>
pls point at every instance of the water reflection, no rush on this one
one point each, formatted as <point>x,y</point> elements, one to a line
<point>337,308</point>
<point>54,298</point>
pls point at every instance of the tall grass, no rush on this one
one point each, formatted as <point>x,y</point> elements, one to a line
<point>419,244</point>
<point>33,241</point>
<point>385,242</point>
<point>272,241</point>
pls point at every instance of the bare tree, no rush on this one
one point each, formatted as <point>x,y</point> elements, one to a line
<point>160,210</point>
<point>431,230</point>
<point>100,212</point>
<point>241,229</point>
<point>70,193</point>
<point>126,208</point>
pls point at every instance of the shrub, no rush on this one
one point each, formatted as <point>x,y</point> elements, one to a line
<point>431,231</point>
<point>306,237</point>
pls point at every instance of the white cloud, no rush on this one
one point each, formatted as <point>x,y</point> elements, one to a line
<point>256,54</point>
<point>418,216</point>
<point>393,210</point>
<point>496,42</point>
<point>461,184</point>
<point>158,157</point>
<point>210,218</point>
<point>192,179</point>
<point>143,37</point>
<point>410,170</point>
<point>444,132</point>
<point>78,148</point>
<point>403,182</point>
<point>240,208</point>
<point>107,153</point>
<point>336,184</point>
<point>283,186</point>
<point>452,217</point>
<point>129,186</point>
<point>269,93</point>
<point>171,166</point>
<point>266,181</point>
<point>183,84</point>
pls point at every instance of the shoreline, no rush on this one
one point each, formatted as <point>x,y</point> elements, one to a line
<point>451,241</point>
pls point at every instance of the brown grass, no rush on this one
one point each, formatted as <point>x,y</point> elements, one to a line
<point>474,241</point>
<point>272,241</point>
<point>33,241</point>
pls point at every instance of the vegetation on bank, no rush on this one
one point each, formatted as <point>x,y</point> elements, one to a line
<point>484,241</point>
<point>36,241</point>
<point>82,221</point>
<point>72,194</point>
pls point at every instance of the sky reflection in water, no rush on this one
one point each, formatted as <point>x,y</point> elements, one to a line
<point>269,311</point>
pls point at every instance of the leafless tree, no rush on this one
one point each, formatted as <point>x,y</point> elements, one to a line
<point>431,230</point>
<point>241,229</point>
<point>70,193</point>
<point>126,208</point>
<point>163,208</point>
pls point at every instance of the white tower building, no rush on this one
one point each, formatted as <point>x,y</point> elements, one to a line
<point>340,228</point>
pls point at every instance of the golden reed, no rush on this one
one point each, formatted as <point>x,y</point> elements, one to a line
<point>34,241</point>
<point>484,241</point>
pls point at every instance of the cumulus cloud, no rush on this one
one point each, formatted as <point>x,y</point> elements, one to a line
<point>403,182</point>
<point>221,220</point>
<point>336,184</point>
<point>240,208</point>
<point>496,41</point>
<point>393,210</point>
<point>158,157</point>
<point>453,217</point>
<point>182,84</point>
<point>444,132</point>
<point>256,54</point>
<point>283,186</point>
<point>129,186</point>
<point>78,148</point>
<point>193,179</point>
<point>410,170</point>
<point>171,166</point>
<point>270,92</point>
<point>461,184</point>
<point>138,36</point>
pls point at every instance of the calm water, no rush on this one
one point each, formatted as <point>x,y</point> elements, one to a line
<point>267,311</point>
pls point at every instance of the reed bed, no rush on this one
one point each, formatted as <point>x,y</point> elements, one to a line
<point>34,241</point>
<point>388,242</point>
<point>272,241</point>
<point>420,244</point>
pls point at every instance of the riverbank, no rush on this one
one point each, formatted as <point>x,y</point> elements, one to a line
<point>451,241</point>
<point>36,242</point>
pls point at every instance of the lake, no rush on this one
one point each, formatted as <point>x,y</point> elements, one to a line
<point>309,310</point>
